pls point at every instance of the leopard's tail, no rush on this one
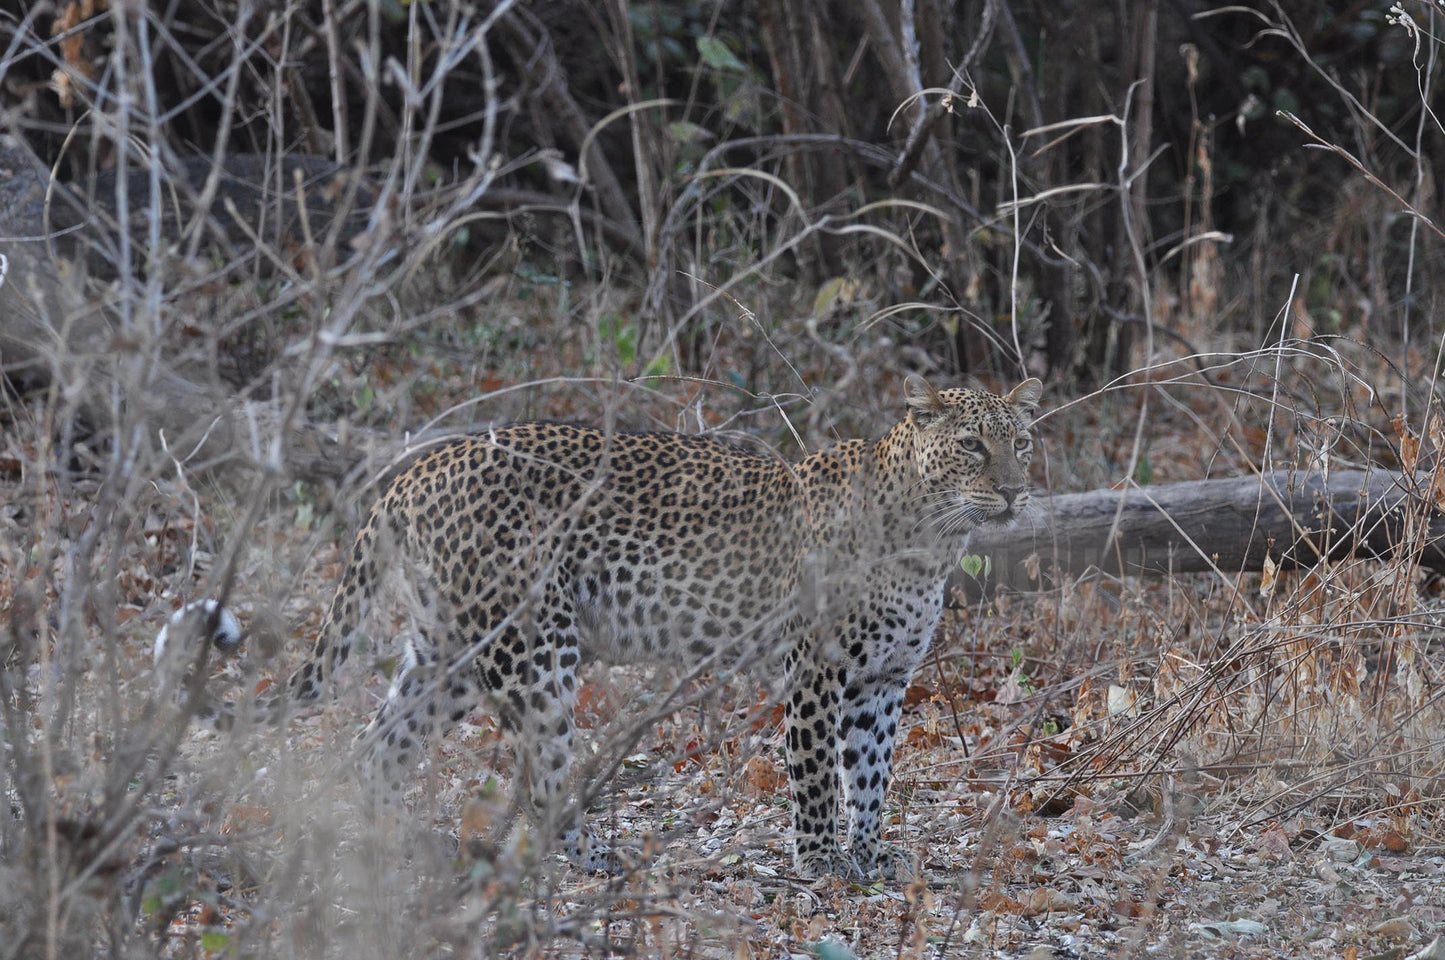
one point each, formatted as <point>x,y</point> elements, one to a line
<point>183,645</point>
<point>344,617</point>
<point>175,650</point>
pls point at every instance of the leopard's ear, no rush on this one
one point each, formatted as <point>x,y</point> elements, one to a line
<point>1025,397</point>
<point>923,401</point>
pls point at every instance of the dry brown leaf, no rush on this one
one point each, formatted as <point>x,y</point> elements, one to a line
<point>243,817</point>
<point>1267,576</point>
<point>1273,842</point>
<point>1409,443</point>
<point>761,778</point>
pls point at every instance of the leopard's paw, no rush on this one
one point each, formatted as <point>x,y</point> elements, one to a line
<point>894,863</point>
<point>589,852</point>
<point>824,863</point>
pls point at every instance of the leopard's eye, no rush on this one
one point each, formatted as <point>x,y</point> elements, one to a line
<point>972,444</point>
<point>1022,443</point>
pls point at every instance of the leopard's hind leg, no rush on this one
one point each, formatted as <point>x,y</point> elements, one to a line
<point>427,699</point>
<point>538,703</point>
<point>519,659</point>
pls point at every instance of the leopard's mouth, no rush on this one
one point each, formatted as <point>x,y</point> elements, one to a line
<point>1002,516</point>
<point>1006,513</point>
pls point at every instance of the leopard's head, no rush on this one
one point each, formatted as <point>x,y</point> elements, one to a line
<point>972,451</point>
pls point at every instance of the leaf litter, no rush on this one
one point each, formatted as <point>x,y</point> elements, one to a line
<point>1110,769</point>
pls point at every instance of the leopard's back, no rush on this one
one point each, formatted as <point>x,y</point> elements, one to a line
<point>663,544</point>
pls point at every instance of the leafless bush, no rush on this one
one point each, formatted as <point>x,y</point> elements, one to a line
<point>245,277</point>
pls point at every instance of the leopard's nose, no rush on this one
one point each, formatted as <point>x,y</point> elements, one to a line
<point>1009,494</point>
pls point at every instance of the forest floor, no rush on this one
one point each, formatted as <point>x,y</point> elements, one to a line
<point>1195,767</point>
<point>1026,841</point>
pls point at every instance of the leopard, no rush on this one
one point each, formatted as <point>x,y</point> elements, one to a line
<point>538,544</point>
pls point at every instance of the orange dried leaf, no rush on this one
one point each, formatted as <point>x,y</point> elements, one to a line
<point>917,693</point>
<point>1046,900</point>
<point>1384,839</point>
<point>1266,580</point>
<point>769,718</point>
<point>998,903</point>
<point>1409,443</point>
<point>243,817</point>
<point>761,778</point>
<point>692,753</point>
<point>923,738</point>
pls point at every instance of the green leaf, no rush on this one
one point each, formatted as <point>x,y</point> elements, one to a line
<point>715,54</point>
<point>622,335</point>
<point>1144,471</point>
<point>214,941</point>
<point>684,131</point>
<point>658,366</point>
<point>976,566</point>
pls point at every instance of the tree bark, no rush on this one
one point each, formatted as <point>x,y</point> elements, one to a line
<point>1228,526</point>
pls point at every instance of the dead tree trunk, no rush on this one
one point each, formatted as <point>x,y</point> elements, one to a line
<point>1230,526</point>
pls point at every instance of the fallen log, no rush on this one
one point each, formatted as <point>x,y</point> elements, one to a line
<point>1229,526</point>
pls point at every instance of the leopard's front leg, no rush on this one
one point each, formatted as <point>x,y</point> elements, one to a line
<point>869,729</point>
<point>812,747</point>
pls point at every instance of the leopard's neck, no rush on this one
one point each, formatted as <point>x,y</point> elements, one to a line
<point>905,504</point>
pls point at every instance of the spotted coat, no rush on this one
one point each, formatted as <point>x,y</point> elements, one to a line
<point>536,544</point>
